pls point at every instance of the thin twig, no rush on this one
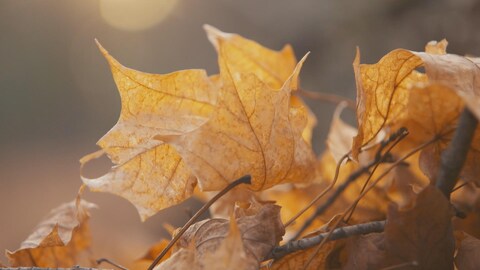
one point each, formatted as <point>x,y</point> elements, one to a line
<point>390,148</point>
<point>99,261</point>
<point>339,233</point>
<point>453,158</point>
<point>247,179</point>
<point>460,186</point>
<point>395,164</point>
<point>352,177</point>
<point>319,196</point>
<point>331,98</point>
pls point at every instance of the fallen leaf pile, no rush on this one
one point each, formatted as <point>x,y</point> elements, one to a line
<point>187,134</point>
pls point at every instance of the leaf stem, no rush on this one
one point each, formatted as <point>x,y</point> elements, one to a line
<point>247,179</point>
<point>99,261</point>
<point>454,157</point>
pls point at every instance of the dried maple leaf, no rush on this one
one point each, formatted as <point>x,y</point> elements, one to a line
<point>392,93</point>
<point>382,93</point>
<point>184,258</point>
<point>468,251</point>
<point>252,131</point>
<point>420,235</point>
<point>271,67</point>
<point>432,111</point>
<point>148,172</point>
<point>264,132</point>
<point>207,244</point>
<point>383,88</point>
<point>58,240</point>
<point>461,74</point>
<point>432,114</point>
<point>231,253</point>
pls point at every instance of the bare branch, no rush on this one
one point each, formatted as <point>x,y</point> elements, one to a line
<point>453,158</point>
<point>339,233</point>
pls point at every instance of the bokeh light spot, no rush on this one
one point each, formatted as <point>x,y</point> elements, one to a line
<point>135,15</point>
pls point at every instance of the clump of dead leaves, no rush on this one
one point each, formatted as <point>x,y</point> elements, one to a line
<point>187,133</point>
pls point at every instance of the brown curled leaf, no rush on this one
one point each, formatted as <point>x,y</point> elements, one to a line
<point>57,241</point>
<point>254,233</point>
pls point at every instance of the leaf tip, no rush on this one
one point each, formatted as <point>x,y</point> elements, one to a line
<point>436,47</point>
<point>105,54</point>
<point>100,47</point>
<point>214,35</point>
<point>356,60</point>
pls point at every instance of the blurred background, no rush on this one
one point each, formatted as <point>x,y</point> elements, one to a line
<point>57,97</point>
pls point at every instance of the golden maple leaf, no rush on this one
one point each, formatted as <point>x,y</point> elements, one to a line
<point>392,93</point>
<point>382,93</point>
<point>271,67</point>
<point>184,127</point>
<point>254,128</point>
<point>148,172</point>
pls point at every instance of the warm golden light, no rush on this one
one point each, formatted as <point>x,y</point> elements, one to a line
<point>135,15</point>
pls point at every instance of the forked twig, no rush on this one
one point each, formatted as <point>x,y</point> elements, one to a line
<point>319,196</point>
<point>247,179</point>
<point>379,157</point>
<point>390,148</point>
<point>395,164</point>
